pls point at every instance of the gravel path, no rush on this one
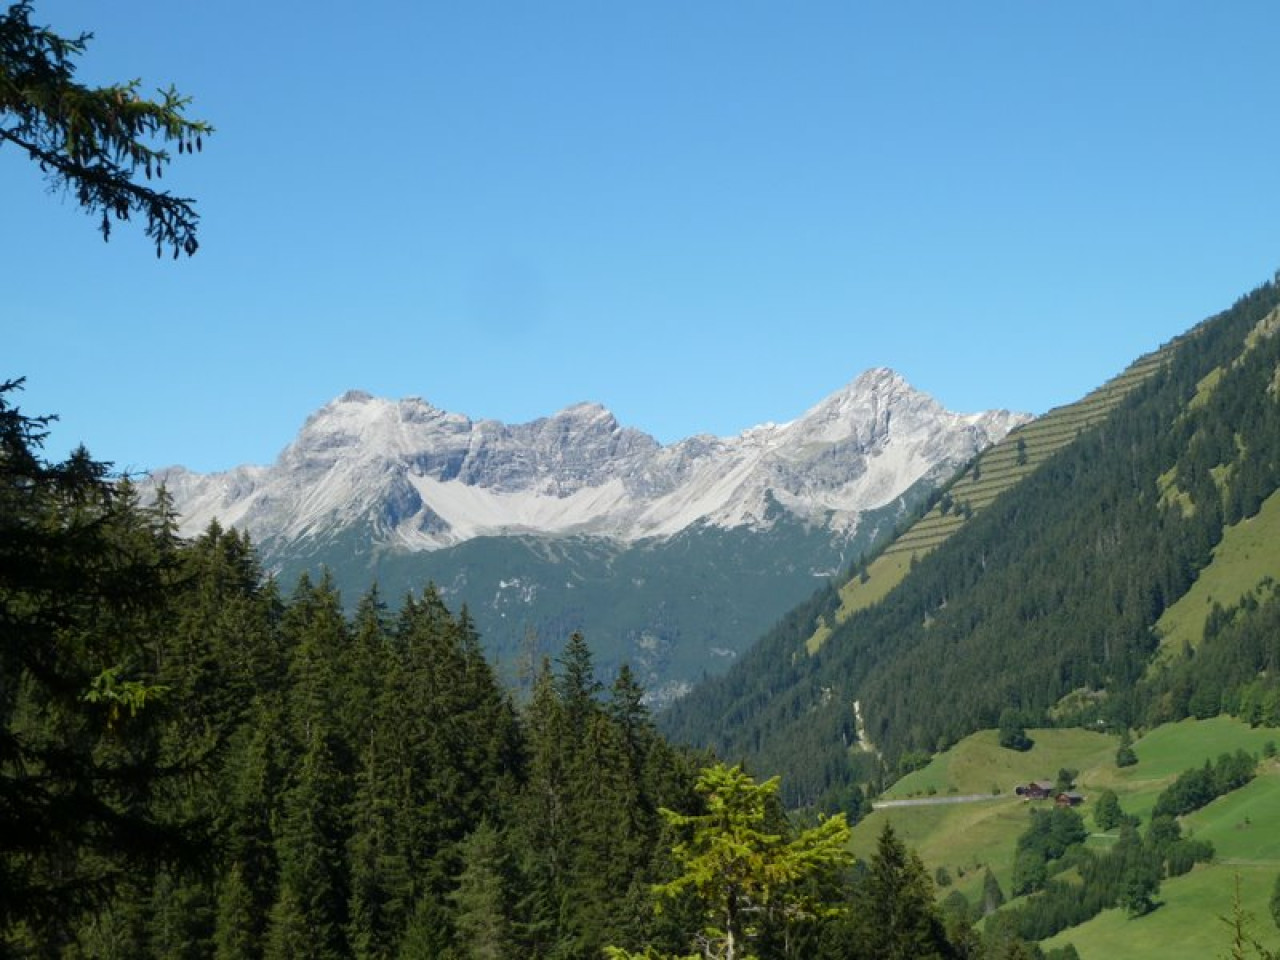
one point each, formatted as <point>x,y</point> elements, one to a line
<point>936,801</point>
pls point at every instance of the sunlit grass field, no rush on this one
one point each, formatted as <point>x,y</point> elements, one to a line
<point>1244,827</point>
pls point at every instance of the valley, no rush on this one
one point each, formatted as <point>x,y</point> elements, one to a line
<point>674,481</point>
<point>965,841</point>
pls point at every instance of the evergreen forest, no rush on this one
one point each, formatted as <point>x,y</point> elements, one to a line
<point>195,764</point>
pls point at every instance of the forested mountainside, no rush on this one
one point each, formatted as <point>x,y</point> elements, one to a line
<point>192,765</point>
<point>675,609</point>
<point>1047,599</point>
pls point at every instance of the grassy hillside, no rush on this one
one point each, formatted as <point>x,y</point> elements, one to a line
<point>1248,554</point>
<point>1244,827</point>
<point>965,837</point>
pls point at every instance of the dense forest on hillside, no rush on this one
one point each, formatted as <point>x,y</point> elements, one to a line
<point>193,765</point>
<point>1053,589</point>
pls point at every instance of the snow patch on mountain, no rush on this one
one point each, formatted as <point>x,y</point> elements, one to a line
<point>414,477</point>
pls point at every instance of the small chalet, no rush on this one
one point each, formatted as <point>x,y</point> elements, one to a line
<point>1035,790</point>
<point>1068,798</point>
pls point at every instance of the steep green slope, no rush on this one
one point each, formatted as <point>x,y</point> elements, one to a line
<point>1185,926</point>
<point>1053,587</point>
<point>1247,557</point>
<point>965,839</point>
<point>676,610</point>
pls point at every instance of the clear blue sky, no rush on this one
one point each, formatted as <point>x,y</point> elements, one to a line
<point>703,215</point>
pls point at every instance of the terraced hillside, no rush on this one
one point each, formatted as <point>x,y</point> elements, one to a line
<point>992,472</point>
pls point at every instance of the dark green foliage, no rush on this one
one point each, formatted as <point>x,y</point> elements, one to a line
<point>1050,836</point>
<point>486,897</point>
<point>237,934</point>
<point>361,788</point>
<point>1141,884</point>
<point>312,868</point>
<point>956,904</point>
<point>1127,876</point>
<point>1106,811</point>
<point>1001,941</point>
<point>1125,757</point>
<point>96,143</point>
<point>665,605</point>
<point>1198,787</point>
<point>180,917</point>
<point>1274,903</point>
<point>1164,839</point>
<point>1233,670</point>
<point>992,895</point>
<point>288,935</point>
<point>577,686</point>
<point>1013,732</point>
<point>896,917</point>
<point>85,579</point>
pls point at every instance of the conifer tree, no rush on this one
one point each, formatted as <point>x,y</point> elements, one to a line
<point>364,660</point>
<point>1125,757</point>
<point>610,842</point>
<point>429,935</point>
<point>316,635</point>
<point>86,581</point>
<point>626,709</point>
<point>1244,943</point>
<point>544,825</point>
<point>1107,814</point>
<point>288,934</point>
<point>897,918</point>
<point>313,895</point>
<point>253,782</point>
<point>449,706</point>
<point>96,142</point>
<point>237,932</point>
<point>744,874</point>
<point>181,918</point>
<point>577,683</point>
<point>381,885</point>
<point>486,897</point>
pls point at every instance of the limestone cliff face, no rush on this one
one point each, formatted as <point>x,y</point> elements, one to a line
<point>420,478</point>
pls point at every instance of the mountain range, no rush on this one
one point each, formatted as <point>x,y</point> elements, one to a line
<point>672,557</point>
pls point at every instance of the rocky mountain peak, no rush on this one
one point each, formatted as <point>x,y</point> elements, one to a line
<point>422,478</point>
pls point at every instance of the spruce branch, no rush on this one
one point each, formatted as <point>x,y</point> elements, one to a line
<point>97,143</point>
